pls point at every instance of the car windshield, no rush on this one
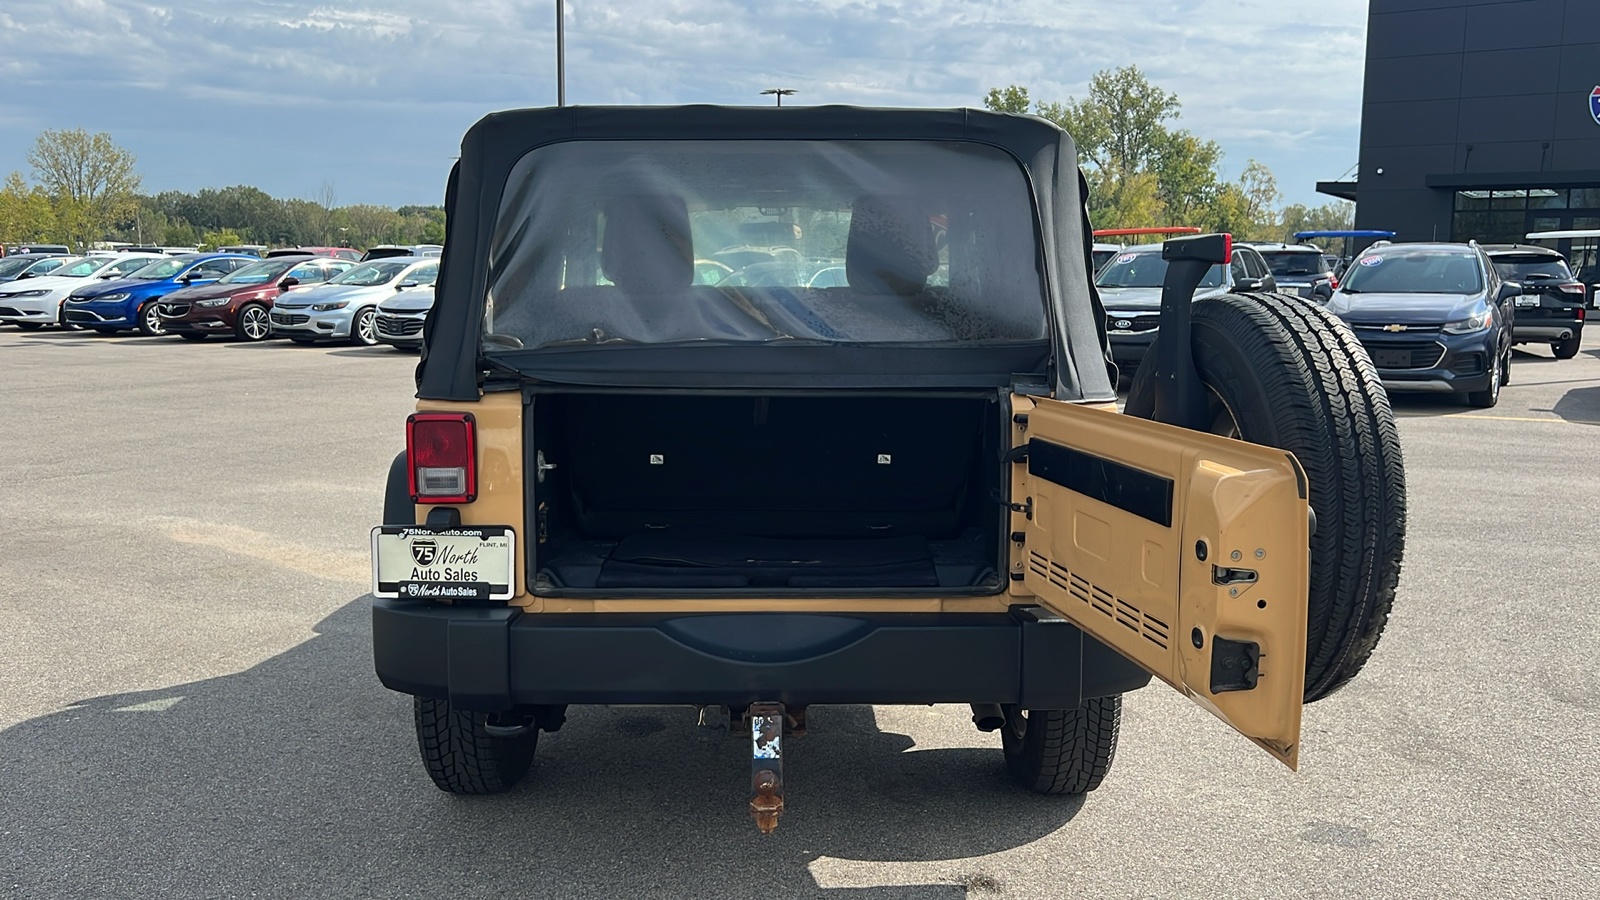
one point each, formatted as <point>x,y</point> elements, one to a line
<point>655,242</point>
<point>1517,268</point>
<point>1420,271</point>
<point>368,274</point>
<point>83,268</point>
<point>164,268</point>
<point>258,273</point>
<point>1146,270</point>
<point>1294,263</point>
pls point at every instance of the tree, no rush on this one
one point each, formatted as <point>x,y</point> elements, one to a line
<point>1140,170</point>
<point>1011,99</point>
<point>90,179</point>
<point>211,240</point>
<point>25,212</point>
<point>1260,191</point>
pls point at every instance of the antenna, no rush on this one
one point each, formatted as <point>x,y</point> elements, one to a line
<point>780,93</point>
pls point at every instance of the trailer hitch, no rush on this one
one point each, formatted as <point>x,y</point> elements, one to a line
<point>1179,394</point>
<point>766,764</point>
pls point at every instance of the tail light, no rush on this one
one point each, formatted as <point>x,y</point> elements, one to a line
<point>441,453</point>
<point>1334,280</point>
<point>1571,288</point>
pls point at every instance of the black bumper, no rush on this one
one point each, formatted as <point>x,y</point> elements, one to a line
<point>497,658</point>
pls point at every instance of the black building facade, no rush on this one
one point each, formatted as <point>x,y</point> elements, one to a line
<point>1481,120</point>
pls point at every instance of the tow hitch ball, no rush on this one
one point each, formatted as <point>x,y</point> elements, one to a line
<point>766,764</point>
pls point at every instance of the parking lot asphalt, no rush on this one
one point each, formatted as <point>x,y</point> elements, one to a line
<point>187,704</point>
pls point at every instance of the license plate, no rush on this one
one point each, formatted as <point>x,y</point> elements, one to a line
<point>470,562</point>
<point>1392,359</point>
<point>1528,300</point>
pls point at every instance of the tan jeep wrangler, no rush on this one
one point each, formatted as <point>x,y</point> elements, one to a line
<point>753,409</point>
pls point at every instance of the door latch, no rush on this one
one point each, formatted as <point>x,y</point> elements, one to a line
<point>541,467</point>
<point>1025,507</point>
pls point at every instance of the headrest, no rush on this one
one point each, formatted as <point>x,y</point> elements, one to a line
<point>647,243</point>
<point>892,249</point>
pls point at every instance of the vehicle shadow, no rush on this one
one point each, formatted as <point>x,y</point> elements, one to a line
<point>300,776</point>
<point>1579,405</point>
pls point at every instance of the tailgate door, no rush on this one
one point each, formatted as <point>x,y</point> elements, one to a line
<point>1186,552</point>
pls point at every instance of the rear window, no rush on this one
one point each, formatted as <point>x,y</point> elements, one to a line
<point>1516,268</point>
<point>1430,271</point>
<point>655,242</point>
<point>1294,264</point>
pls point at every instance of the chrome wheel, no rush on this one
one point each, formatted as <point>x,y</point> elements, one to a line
<point>364,330</point>
<point>253,324</point>
<point>150,320</point>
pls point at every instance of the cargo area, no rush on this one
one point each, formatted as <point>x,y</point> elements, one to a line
<point>747,494</point>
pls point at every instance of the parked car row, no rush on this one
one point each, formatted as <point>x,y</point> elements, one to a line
<point>1434,317</point>
<point>305,296</point>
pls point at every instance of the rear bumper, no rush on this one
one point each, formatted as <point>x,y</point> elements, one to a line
<point>495,658</point>
<point>1546,330</point>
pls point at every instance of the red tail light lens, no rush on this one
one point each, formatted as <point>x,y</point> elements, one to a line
<point>441,456</point>
<point>1335,280</point>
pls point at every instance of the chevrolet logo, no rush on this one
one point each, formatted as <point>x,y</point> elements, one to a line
<point>1394,328</point>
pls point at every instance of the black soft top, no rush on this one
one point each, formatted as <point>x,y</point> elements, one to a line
<point>1075,363</point>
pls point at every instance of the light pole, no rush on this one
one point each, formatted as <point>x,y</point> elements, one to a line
<point>779,93</point>
<point>561,53</point>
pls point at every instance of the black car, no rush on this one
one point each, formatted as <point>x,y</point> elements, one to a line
<point>1433,317</point>
<point>1299,269</point>
<point>1551,308</point>
<point>1130,291</point>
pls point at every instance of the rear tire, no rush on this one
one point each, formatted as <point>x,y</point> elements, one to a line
<point>1062,751</point>
<point>303,341</point>
<point>30,326</point>
<point>195,336</point>
<point>1568,348</point>
<point>462,757</point>
<point>1288,374</point>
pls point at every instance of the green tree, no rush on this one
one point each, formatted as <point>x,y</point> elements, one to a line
<point>90,179</point>
<point>1140,170</point>
<point>211,240</point>
<point>25,212</point>
<point>1010,99</point>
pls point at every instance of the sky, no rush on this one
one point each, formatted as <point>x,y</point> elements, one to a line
<point>371,100</point>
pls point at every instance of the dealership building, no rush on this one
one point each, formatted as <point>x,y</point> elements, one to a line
<point>1480,120</point>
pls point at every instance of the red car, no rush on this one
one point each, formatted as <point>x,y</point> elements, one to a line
<point>335,252</point>
<point>237,304</point>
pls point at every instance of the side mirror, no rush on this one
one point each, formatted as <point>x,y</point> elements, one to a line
<point>288,283</point>
<point>406,284</point>
<point>1250,284</point>
<point>24,275</point>
<point>186,279</point>
<point>1509,290</point>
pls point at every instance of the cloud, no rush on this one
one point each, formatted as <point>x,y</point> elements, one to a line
<point>286,95</point>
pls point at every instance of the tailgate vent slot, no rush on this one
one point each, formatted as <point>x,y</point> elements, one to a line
<point>1100,600</point>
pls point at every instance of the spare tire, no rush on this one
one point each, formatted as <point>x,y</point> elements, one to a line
<point>1288,374</point>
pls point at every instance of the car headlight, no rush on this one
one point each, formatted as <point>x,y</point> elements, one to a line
<point>1470,325</point>
<point>109,298</point>
<point>25,294</point>
<point>212,303</point>
<point>324,307</point>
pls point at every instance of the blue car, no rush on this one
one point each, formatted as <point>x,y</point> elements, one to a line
<point>112,306</point>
